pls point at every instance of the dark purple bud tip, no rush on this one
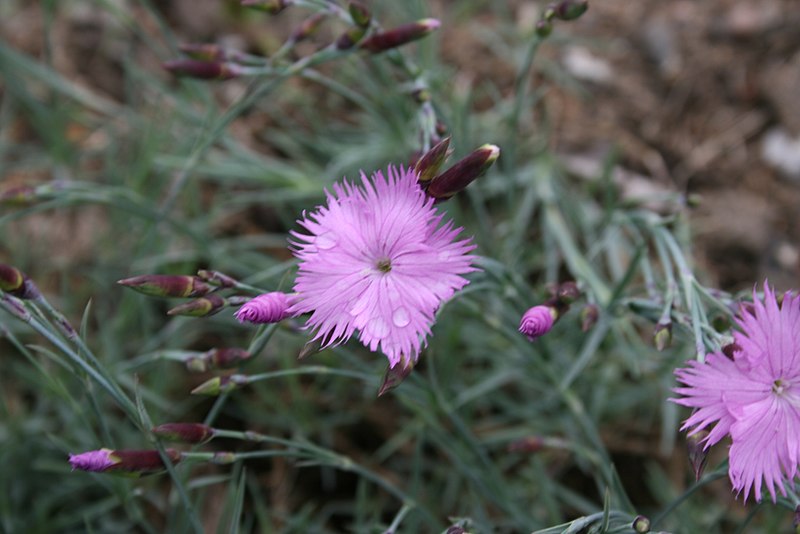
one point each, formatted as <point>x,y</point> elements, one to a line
<point>399,36</point>
<point>125,460</point>
<point>94,461</point>
<point>202,307</point>
<point>167,285</point>
<point>641,524</point>
<point>202,70</point>
<point>568,292</point>
<point>463,173</point>
<point>349,38</point>
<point>395,375</point>
<point>360,14</point>
<point>731,349</point>
<point>195,433</point>
<point>11,278</point>
<point>698,454</point>
<point>537,321</point>
<point>544,28</point>
<point>429,164</point>
<point>571,9</point>
<point>227,357</point>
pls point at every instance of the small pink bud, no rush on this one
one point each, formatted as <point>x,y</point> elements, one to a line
<point>267,308</point>
<point>94,461</point>
<point>537,321</point>
<point>127,460</point>
<point>399,36</point>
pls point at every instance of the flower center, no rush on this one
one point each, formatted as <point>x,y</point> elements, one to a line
<point>384,265</point>
<point>779,386</point>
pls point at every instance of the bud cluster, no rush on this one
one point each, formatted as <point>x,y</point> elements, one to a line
<point>444,185</point>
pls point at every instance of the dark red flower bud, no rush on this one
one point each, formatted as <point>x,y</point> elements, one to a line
<point>460,175</point>
<point>399,36</point>
<point>125,460</point>
<point>186,432</point>
<point>16,283</point>
<point>698,455</point>
<point>202,307</point>
<point>570,9</point>
<point>394,376</point>
<point>429,164</point>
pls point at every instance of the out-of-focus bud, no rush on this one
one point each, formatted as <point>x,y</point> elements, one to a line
<point>195,433</point>
<point>662,337</point>
<point>698,455</point>
<point>537,321</point>
<point>124,460</point>
<point>403,34</point>
<point>731,349</point>
<point>641,524</point>
<point>203,70</point>
<point>544,28</point>
<point>311,347</point>
<point>395,375</point>
<point>463,172</point>
<point>167,285</point>
<point>216,278</point>
<point>307,27</point>
<point>568,292</point>
<point>530,444</point>
<point>223,458</point>
<point>429,164</point>
<point>202,307</point>
<point>203,51</point>
<point>267,308</point>
<point>348,39</point>
<point>455,529</point>
<point>272,7</point>
<point>570,9</point>
<point>589,316</point>
<point>360,14</point>
<point>221,384</point>
<point>227,357</point>
<point>20,195</point>
<point>16,283</point>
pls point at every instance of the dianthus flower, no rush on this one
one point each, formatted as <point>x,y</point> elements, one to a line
<point>378,260</point>
<point>754,396</point>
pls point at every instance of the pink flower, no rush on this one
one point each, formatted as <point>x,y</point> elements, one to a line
<point>377,260</point>
<point>537,321</point>
<point>753,397</point>
<point>267,308</point>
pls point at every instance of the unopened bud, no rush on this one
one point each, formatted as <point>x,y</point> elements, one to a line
<point>395,375</point>
<point>530,444</point>
<point>662,337</point>
<point>641,524</point>
<point>221,384</point>
<point>307,27</point>
<point>568,292</point>
<point>796,520</point>
<point>429,164</point>
<point>399,36</point>
<point>698,455</point>
<point>570,9</point>
<point>267,308</point>
<point>203,70</point>
<point>348,39</point>
<point>589,316</point>
<point>360,14</point>
<point>455,529</point>
<point>203,51</point>
<point>311,347</point>
<point>167,285</point>
<point>544,28</point>
<point>216,278</point>
<point>20,195</point>
<point>16,283</point>
<point>272,7</point>
<point>227,357</point>
<point>124,460</point>
<point>223,458</point>
<point>195,433</point>
<point>202,307</point>
<point>15,307</point>
<point>463,172</point>
<point>537,321</point>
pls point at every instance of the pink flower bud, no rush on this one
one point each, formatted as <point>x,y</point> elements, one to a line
<point>537,321</point>
<point>267,308</point>
<point>94,461</point>
<point>130,461</point>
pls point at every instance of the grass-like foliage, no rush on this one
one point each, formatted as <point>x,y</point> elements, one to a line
<point>171,174</point>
